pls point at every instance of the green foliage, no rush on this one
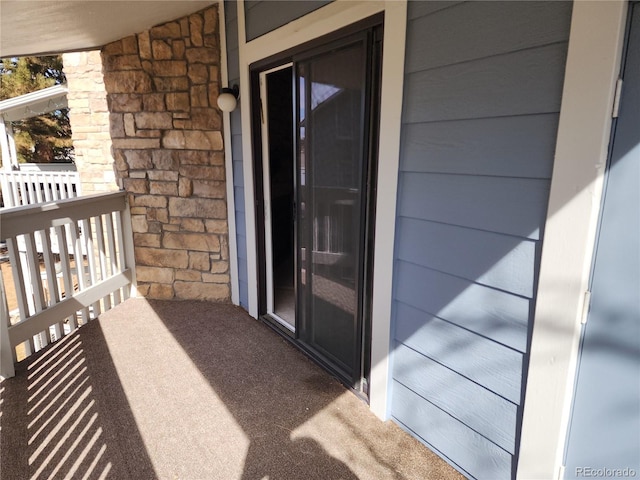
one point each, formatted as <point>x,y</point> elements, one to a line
<point>45,138</point>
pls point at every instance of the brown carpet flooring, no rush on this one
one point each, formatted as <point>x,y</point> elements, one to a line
<point>190,390</point>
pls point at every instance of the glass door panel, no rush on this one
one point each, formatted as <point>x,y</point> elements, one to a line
<point>331,194</point>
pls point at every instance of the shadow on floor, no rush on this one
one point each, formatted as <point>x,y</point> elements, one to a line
<point>192,390</point>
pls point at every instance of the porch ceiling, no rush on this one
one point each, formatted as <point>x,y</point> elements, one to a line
<point>44,27</point>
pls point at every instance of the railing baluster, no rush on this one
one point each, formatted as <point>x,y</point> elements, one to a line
<point>50,277</point>
<point>77,256</point>
<point>112,253</point>
<point>91,260</point>
<point>18,278</point>
<point>36,283</point>
<point>65,268</point>
<point>103,258</point>
<point>121,250</point>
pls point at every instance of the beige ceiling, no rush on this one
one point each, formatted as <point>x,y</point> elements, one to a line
<point>40,27</point>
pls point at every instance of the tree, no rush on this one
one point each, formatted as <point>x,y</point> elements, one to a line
<point>45,138</point>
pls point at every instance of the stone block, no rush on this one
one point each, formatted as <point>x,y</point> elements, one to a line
<point>159,120</point>
<point>215,278</point>
<point>205,118</point>
<point>195,29</point>
<point>195,225</point>
<point>144,45</point>
<point>171,84</point>
<point>148,201</point>
<point>130,44</point>
<point>163,188</point>
<point>138,159</point>
<point>209,189</point>
<point>143,290</point>
<point>171,228</point>
<point>163,175</point>
<point>168,30</point>
<point>202,55</point>
<point>138,210</point>
<point>184,26</point>
<point>155,227</point>
<point>161,50</point>
<point>199,242</point>
<point>199,96</point>
<point>116,125</point>
<point>210,41</point>
<point>159,291</point>
<point>146,239</point>
<point>154,274</point>
<point>217,226</point>
<point>138,174</point>
<point>133,81</point>
<point>122,62</point>
<point>203,172</point>
<point>210,20</point>
<point>148,133</point>
<point>178,48</point>
<point>129,125</point>
<point>124,102</point>
<point>199,261</point>
<point>113,48</point>
<point>161,257</point>
<point>170,68</point>
<point>165,159</point>
<point>219,266</point>
<point>198,73</point>
<point>214,73</point>
<point>192,140</point>
<point>139,224</point>
<point>136,185</point>
<point>189,275</point>
<point>185,187</point>
<point>178,102</point>
<point>213,292</point>
<point>158,214</point>
<point>197,208</point>
<point>182,124</point>
<point>147,66</point>
<point>133,143</point>
<point>153,102</point>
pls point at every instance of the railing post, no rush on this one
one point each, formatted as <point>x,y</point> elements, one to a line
<point>7,353</point>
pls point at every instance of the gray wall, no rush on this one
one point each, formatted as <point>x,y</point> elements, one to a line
<point>263,16</point>
<point>483,84</point>
<point>231,25</point>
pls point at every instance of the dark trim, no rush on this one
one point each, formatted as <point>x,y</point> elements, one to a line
<point>369,31</point>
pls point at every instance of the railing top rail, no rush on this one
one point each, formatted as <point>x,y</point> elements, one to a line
<point>31,218</point>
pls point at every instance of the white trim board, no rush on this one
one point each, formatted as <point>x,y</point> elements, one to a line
<point>593,65</point>
<point>228,164</point>
<point>325,20</point>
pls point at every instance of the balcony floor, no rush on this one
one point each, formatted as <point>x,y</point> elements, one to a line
<point>192,390</point>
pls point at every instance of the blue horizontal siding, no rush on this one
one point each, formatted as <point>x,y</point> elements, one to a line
<point>462,446</point>
<point>513,206</point>
<point>263,16</point>
<point>506,264</point>
<point>483,88</point>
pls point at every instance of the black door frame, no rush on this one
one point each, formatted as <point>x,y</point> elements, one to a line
<point>372,25</point>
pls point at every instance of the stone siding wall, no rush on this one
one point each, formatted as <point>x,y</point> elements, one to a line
<point>89,117</point>
<point>166,130</point>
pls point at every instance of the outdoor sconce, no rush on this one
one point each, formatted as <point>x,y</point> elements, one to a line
<point>228,98</point>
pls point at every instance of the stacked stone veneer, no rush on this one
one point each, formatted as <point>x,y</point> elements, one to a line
<point>89,117</point>
<point>162,88</point>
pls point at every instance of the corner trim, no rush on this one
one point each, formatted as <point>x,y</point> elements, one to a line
<point>592,69</point>
<point>228,163</point>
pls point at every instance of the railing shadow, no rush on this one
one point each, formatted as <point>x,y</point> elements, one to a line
<point>66,415</point>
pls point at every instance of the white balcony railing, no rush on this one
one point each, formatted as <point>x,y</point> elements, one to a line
<point>42,183</point>
<point>91,270</point>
